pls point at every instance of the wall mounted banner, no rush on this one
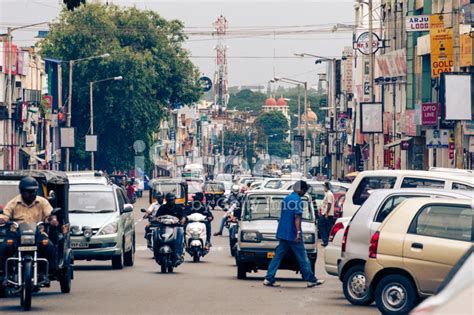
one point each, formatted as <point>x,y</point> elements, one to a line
<point>441,40</point>
<point>437,138</point>
<point>371,116</point>
<point>429,114</point>
<point>419,23</point>
<point>362,43</point>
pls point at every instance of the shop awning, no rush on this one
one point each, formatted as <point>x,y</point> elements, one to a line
<point>396,142</point>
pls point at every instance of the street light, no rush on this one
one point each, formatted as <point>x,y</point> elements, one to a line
<point>305,84</point>
<point>69,105</point>
<point>91,86</point>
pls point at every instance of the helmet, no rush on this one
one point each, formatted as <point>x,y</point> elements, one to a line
<point>170,196</point>
<point>235,189</point>
<point>157,194</point>
<point>28,183</point>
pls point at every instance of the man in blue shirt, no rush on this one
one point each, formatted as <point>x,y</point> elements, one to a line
<point>289,235</point>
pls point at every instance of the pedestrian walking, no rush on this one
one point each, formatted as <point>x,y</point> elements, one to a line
<point>326,218</point>
<point>290,237</point>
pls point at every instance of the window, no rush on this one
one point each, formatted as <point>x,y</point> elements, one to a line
<point>261,208</point>
<point>91,202</point>
<point>371,183</point>
<point>411,182</point>
<point>445,221</point>
<point>458,186</point>
<point>274,184</point>
<point>316,191</point>
<point>390,204</point>
<point>121,198</point>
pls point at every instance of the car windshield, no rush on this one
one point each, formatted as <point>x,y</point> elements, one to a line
<point>165,188</point>
<point>194,187</point>
<point>214,188</point>
<point>91,202</point>
<point>269,207</point>
<point>224,177</point>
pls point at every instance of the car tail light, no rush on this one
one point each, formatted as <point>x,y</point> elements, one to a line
<point>344,239</point>
<point>374,242</point>
<point>336,228</point>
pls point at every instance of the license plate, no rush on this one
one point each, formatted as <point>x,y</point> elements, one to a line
<point>270,255</point>
<point>27,248</point>
<point>79,245</point>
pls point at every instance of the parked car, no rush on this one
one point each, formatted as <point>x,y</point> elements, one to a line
<point>257,232</point>
<point>414,250</point>
<point>355,243</point>
<point>102,224</point>
<point>454,296</point>
<point>368,181</point>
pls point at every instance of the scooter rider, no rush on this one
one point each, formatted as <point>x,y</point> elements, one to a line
<point>151,211</point>
<point>198,206</point>
<point>234,201</point>
<point>31,209</point>
<point>171,208</point>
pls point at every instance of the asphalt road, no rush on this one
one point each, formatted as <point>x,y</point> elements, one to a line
<point>207,287</point>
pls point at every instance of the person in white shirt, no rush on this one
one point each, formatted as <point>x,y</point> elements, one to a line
<point>158,196</point>
<point>326,219</point>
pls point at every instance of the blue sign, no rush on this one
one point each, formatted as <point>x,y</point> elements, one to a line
<point>206,84</point>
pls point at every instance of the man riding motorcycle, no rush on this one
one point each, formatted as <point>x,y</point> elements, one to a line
<point>31,209</point>
<point>234,202</point>
<point>198,206</point>
<point>151,211</point>
<point>171,208</point>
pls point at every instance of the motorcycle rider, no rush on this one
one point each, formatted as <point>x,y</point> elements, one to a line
<point>151,211</point>
<point>171,208</point>
<point>198,206</point>
<point>29,208</point>
<point>234,202</point>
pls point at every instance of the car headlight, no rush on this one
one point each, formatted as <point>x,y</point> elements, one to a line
<point>250,237</point>
<point>27,240</point>
<point>309,238</point>
<point>110,228</point>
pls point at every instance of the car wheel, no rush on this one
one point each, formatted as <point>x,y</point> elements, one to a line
<point>117,261</point>
<point>241,271</point>
<point>65,280</point>
<point>354,286</point>
<point>129,257</point>
<point>395,294</point>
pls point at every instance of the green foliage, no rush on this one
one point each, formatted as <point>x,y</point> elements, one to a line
<point>274,127</point>
<point>147,51</point>
<point>247,100</point>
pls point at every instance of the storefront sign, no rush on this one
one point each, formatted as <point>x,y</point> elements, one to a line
<point>392,64</point>
<point>429,114</point>
<point>408,124</point>
<point>419,23</point>
<point>441,39</point>
<point>466,50</point>
<point>451,148</point>
<point>362,43</point>
<point>371,118</point>
<point>437,138</point>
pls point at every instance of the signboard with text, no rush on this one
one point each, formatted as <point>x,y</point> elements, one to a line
<point>441,40</point>
<point>362,43</point>
<point>429,114</point>
<point>437,138</point>
<point>419,23</point>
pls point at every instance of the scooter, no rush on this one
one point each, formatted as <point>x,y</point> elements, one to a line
<point>196,236</point>
<point>164,240</point>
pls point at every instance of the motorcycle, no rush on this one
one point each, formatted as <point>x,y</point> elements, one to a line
<point>25,272</point>
<point>132,193</point>
<point>164,240</point>
<point>196,236</point>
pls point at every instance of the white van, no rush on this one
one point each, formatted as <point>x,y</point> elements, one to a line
<point>394,179</point>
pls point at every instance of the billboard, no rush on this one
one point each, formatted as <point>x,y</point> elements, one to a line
<point>458,96</point>
<point>437,138</point>
<point>441,40</point>
<point>371,116</point>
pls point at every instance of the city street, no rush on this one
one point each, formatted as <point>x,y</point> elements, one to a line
<point>208,287</point>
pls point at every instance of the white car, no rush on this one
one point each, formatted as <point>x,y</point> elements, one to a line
<point>358,232</point>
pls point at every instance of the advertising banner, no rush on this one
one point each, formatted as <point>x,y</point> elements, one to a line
<point>371,118</point>
<point>441,39</point>
<point>408,123</point>
<point>417,23</point>
<point>437,138</point>
<point>392,64</point>
<point>429,114</point>
<point>466,50</point>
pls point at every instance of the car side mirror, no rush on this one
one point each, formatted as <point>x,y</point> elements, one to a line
<point>51,196</point>
<point>127,208</point>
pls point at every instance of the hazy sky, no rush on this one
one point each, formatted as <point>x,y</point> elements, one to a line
<point>273,17</point>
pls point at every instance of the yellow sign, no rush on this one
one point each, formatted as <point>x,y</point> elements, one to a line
<point>466,50</point>
<point>441,39</point>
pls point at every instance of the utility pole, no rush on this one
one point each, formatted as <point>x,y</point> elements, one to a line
<point>91,119</point>
<point>334,115</point>
<point>371,79</point>
<point>457,67</point>
<point>10,136</point>
<point>69,103</point>
<point>305,165</point>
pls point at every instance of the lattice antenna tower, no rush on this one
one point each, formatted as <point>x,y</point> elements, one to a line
<point>220,78</point>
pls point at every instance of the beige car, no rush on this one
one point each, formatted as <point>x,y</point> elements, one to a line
<point>415,248</point>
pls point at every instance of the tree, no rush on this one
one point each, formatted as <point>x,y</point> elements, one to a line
<point>273,126</point>
<point>157,73</point>
<point>246,100</point>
